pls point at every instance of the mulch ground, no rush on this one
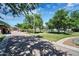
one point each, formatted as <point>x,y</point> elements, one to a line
<point>70,43</point>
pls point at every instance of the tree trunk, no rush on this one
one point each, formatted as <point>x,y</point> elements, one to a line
<point>64,29</point>
<point>58,30</point>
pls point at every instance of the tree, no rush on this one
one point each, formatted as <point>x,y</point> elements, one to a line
<point>19,25</point>
<point>34,20</point>
<point>49,25</point>
<point>17,9</point>
<point>60,20</point>
<point>29,21</point>
<point>75,18</point>
<point>38,23</point>
<point>22,26</point>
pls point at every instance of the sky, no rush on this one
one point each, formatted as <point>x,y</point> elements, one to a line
<point>46,11</point>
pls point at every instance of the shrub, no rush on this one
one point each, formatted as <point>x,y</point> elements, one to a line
<point>75,30</point>
<point>30,30</point>
<point>23,30</point>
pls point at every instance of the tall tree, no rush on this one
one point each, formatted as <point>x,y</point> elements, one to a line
<point>75,18</point>
<point>38,22</point>
<point>60,19</point>
<point>49,25</point>
<point>29,20</point>
<point>34,20</point>
<point>17,9</point>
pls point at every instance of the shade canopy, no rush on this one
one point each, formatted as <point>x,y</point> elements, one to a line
<point>2,23</point>
<point>4,27</point>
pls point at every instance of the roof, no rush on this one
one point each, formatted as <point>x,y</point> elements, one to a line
<point>4,23</point>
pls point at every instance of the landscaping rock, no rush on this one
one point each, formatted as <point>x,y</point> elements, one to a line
<point>27,46</point>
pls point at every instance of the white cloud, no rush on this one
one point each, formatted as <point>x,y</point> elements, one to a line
<point>70,4</point>
<point>34,11</point>
<point>49,6</point>
<point>39,8</point>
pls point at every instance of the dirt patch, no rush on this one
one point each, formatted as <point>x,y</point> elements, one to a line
<point>70,43</point>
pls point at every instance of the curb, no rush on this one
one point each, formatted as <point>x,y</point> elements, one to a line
<point>60,43</point>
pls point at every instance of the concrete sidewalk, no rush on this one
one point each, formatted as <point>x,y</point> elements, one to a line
<point>17,33</point>
<point>70,49</point>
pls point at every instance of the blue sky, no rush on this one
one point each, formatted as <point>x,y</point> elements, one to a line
<point>46,10</point>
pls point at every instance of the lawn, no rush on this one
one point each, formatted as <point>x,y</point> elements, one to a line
<point>55,37</point>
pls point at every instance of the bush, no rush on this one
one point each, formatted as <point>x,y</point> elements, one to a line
<point>23,30</point>
<point>30,30</point>
<point>75,30</point>
<point>38,36</point>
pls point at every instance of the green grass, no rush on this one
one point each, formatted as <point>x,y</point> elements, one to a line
<point>55,37</point>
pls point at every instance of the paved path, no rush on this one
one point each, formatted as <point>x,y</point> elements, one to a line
<point>71,50</point>
<point>17,33</point>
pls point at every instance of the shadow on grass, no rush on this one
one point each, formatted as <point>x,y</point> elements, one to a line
<point>39,36</point>
<point>60,33</point>
<point>37,32</point>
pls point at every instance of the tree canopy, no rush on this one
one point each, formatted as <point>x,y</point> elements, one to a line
<point>62,20</point>
<point>16,9</point>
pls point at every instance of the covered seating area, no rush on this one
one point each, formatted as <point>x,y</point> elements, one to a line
<point>4,28</point>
